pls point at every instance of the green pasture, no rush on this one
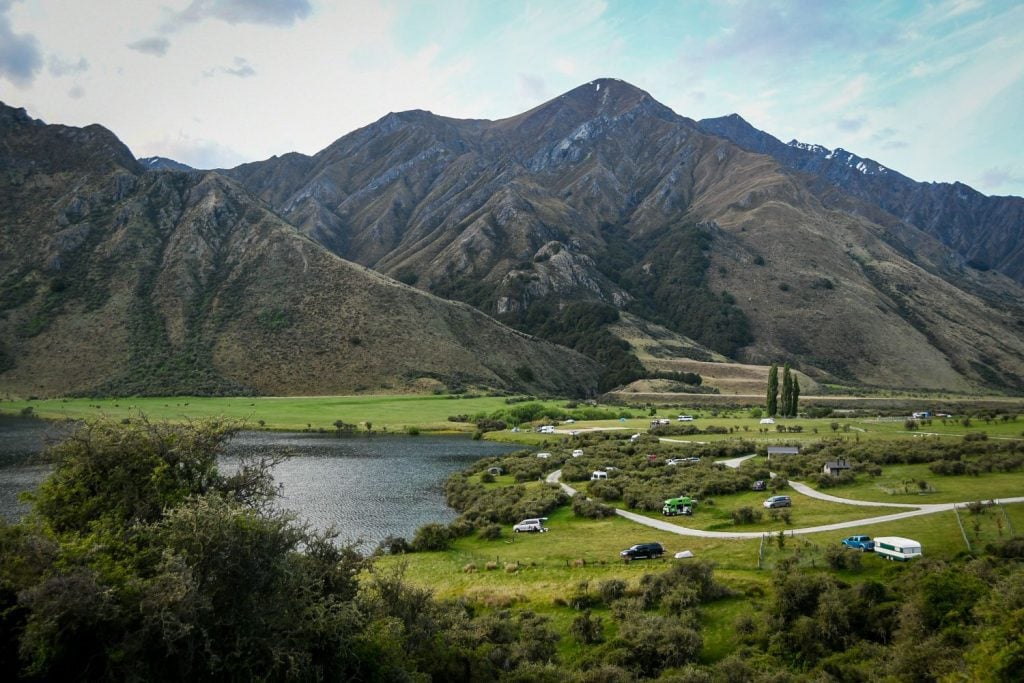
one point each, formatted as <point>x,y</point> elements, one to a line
<point>551,565</point>
<point>900,484</point>
<point>391,413</point>
<point>716,514</point>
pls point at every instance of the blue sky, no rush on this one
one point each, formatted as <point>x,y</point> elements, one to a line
<point>934,89</point>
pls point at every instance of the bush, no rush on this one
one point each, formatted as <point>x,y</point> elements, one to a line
<point>587,629</point>
<point>432,536</point>
<point>393,545</point>
<point>746,515</point>
<point>491,532</point>
<point>590,509</point>
<point>611,590</point>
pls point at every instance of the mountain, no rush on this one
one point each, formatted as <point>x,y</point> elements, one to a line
<point>987,231</point>
<point>603,201</point>
<point>118,281</point>
<point>163,164</point>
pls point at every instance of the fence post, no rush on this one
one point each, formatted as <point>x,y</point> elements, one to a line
<point>961,525</point>
<point>1009,524</point>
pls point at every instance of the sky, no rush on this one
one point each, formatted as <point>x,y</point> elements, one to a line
<point>933,89</point>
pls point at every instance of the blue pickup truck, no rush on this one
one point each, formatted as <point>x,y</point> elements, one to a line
<point>862,543</point>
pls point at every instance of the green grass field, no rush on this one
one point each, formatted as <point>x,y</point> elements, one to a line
<point>805,512</point>
<point>899,484</point>
<point>393,413</point>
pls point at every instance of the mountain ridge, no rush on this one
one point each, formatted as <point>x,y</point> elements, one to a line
<point>118,281</point>
<point>581,199</point>
<point>988,231</point>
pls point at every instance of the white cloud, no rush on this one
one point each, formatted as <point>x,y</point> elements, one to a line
<point>20,55</point>
<point>269,12</point>
<point>156,46</point>
<point>59,67</point>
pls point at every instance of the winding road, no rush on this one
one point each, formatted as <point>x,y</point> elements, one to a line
<point>910,510</point>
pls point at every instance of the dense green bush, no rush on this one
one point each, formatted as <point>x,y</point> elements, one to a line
<point>590,509</point>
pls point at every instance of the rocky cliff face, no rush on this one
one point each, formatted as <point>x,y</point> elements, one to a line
<point>115,280</point>
<point>987,232</point>
<point>604,195</point>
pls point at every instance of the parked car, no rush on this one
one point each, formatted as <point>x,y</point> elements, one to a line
<point>685,418</point>
<point>862,543</point>
<point>778,502</point>
<point>759,485</point>
<point>577,453</point>
<point>544,456</point>
<point>534,524</point>
<point>643,550</point>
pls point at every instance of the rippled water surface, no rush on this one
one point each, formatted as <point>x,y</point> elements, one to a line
<point>366,487</point>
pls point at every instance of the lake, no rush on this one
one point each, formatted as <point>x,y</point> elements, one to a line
<point>366,487</point>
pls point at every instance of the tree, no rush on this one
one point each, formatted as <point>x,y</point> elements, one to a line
<point>795,397</point>
<point>787,391</point>
<point>773,390</point>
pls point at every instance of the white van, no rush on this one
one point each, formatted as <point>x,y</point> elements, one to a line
<point>897,548</point>
<point>547,429</point>
<point>598,474</point>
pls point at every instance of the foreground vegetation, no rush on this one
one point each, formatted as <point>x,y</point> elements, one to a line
<point>141,561</point>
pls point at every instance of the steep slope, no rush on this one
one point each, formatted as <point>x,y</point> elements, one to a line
<point>987,231</point>
<point>605,196</point>
<point>116,280</point>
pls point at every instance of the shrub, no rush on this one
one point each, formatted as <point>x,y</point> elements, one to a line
<point>393,545</point>
<point>590,509</point>
<point>432,536</point>
<point>611,590</point>
<point>746,515</point>
<point>587,629</point>
<point>491,532</point>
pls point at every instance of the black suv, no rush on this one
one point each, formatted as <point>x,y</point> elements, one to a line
<point>642,550</point>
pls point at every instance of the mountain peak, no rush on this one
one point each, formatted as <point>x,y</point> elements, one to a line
<point>607,95</point>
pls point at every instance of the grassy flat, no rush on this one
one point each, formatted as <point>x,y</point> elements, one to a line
<point>898,484</point>
<point>282,413</point>
<point>805,512</point>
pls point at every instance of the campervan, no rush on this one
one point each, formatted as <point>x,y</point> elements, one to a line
<point>598,474</point>
<point>678,506</point>
<point>897,548</point>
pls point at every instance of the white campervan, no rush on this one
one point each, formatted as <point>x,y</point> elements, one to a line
<point>598,474</point>
<point>897,548</point>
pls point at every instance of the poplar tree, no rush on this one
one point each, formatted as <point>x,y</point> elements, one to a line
<point>773,390</point>
<point>787,390</point>
<point>795,398</point>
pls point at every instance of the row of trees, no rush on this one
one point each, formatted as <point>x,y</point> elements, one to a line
<point>789,405</point>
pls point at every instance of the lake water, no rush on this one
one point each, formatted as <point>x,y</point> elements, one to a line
<point>366,487</point>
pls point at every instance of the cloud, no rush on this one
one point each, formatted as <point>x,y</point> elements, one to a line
<point>530,87</point>
<point>20,57</point>
<point>895,144</point>
<point>997,176</point>
<point>269,12</point>
<point>241,69</point>
<point>199,153</point>
<point>852,124</point>
<point>151,46</point>
<point>781,31</point>
<point>76,92</point>
<point>58,67</point>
